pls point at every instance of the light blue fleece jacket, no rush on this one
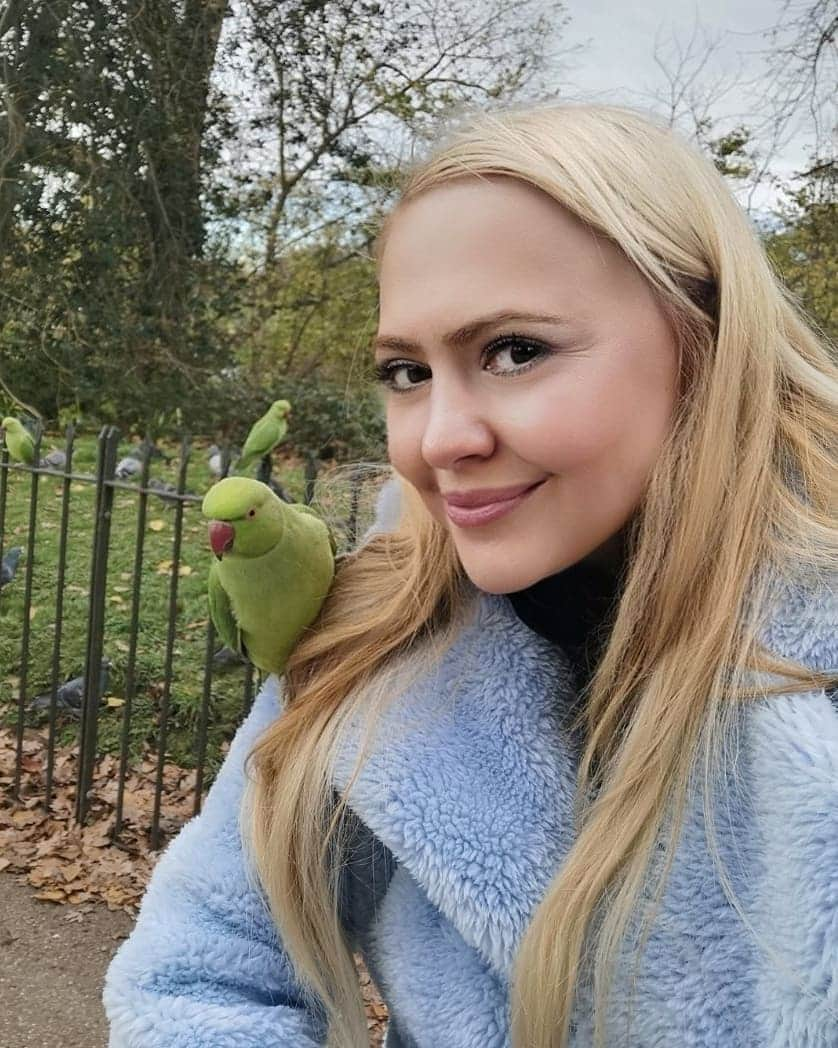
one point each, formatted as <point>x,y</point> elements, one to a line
<point>464,816</point>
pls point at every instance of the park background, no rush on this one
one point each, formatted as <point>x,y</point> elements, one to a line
<point>189,196</point>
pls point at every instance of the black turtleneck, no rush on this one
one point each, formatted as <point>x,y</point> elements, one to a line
<point>574,608</point>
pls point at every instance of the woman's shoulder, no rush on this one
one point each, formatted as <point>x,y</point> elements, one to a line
<point>802,620</point>
<point>794,736</point>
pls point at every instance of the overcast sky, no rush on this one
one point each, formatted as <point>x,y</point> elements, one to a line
<point>616,62</point>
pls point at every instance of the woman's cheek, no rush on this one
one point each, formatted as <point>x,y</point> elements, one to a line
<point>404,443</point>
<point>564,435</point>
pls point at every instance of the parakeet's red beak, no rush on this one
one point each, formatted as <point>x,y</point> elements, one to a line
<point>221,535</point>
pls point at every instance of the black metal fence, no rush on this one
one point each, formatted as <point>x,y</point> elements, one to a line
<point>107,482</point>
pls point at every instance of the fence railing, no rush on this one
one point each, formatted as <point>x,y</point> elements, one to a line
<point>88,694</point>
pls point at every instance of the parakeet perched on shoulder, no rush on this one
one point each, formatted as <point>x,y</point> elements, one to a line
<point>265,434</point>
<point>19,441</point>
<point>275,562</point>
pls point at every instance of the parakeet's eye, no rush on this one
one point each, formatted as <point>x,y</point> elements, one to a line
<point>251,513</point>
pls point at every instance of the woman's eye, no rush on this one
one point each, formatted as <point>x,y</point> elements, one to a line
<point>519,354</point>
<point>400,375</point>
<point>514,353</point>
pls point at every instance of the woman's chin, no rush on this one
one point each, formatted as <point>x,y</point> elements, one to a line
<point>499,579</point>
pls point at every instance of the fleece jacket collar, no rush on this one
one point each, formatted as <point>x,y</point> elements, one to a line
<point>471,785</point>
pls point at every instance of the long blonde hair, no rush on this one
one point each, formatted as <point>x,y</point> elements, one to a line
<point>743,493</point>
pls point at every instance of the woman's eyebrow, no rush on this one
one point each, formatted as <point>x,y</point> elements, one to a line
<point>468,332</point>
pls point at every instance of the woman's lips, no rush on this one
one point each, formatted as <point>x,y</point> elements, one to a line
<point>468,518</point>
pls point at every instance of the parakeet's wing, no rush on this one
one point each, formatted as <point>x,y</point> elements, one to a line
<point>21,446</point>
<point>29,450</point>
<point>261,438</point>
<point>221,612</point>
<point>300,507</point>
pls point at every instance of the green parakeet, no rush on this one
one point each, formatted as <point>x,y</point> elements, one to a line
<point>265,434</point>
<point>275,564</point>
<point>19,441</point>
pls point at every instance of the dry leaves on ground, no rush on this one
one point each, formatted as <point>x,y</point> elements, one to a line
<point>85,865</point>
<point>72,864</point>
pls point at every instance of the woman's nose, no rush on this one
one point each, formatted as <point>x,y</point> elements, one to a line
<point>455,428</point>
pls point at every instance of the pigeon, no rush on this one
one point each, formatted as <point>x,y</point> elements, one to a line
<point>215,457</point>
<point>9,565</point>
<point>157,453</point>
<point>130,466</point>
<point>167,492</point>
<point>227,657</point>
<point>54,460</point>
<point>70,694</point>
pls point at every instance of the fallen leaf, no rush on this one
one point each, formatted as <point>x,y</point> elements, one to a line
<point>24,818</point>
<point>156,525</point>
<point>113,702</point>
<point>183,570</point>
<point>50,895</point>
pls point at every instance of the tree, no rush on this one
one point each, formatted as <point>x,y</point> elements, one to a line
<point>805,249</point>
<point>334,93</point>
<point>185,185</point>
<point>108,292</point>
<point>804,57</point>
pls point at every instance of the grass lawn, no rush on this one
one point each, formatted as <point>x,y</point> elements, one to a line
<point>191,622</point>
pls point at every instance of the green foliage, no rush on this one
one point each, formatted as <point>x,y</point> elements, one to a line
<point>730,152</point>
<point>188,189</point>
<point>313,313</point>
<point>805,250</point>
<point>110,299</point>
<point>331,422</point>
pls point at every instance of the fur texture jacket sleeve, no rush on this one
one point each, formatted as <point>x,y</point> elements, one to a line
<point>464,816</point>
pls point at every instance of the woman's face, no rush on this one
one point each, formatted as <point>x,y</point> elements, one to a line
<point>520,349</point>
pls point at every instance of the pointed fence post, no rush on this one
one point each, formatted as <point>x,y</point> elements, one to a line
<point>310,478</point>
<point>165,699</point>
<point>70,435</point>
<point>130,681</point>
<point>27,605</point>
<point>4,484</point>
<point>88,737</point>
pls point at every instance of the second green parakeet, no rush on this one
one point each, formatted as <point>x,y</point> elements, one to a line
<point>265,434</point>
<point>275,562</point>
<point>19,441</point>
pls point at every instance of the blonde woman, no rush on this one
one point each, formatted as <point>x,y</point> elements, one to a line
<point>560,758</point>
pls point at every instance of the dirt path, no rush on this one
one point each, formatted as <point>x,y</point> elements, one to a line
<point>52,963</point>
